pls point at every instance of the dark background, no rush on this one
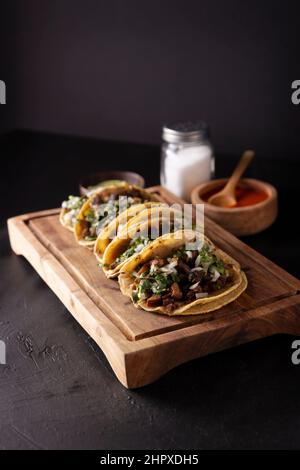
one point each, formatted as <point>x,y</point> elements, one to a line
<point>98,74</point>
<point>118,70</point>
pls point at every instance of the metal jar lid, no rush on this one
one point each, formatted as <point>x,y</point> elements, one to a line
<point>185,131</point>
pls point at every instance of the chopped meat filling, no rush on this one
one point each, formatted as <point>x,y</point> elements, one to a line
<point>185,276</point>
<point>105,207</point>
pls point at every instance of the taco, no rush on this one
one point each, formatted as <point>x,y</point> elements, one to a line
<point>175,278</point>
<point>103,207</point>
<point>70,210</point>
<point>135,215</point>
<point>134,239</point>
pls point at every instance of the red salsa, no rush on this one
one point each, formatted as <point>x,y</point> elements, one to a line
<point>244,196</point>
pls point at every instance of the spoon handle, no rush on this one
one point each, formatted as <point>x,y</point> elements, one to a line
<point>241,167</point>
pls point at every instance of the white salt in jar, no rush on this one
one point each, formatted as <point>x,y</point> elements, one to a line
<point>186,158</point>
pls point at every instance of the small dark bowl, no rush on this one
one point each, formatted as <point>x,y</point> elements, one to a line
<point>96,178</point>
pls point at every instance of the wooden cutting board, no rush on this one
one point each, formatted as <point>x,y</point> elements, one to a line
<point>142,346</point>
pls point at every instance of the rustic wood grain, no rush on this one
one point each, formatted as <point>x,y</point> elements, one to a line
<point>143,346</point>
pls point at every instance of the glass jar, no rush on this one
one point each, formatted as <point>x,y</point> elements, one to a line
<point>186,157</point>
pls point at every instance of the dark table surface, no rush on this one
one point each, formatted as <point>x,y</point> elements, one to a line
<point>57,389</point>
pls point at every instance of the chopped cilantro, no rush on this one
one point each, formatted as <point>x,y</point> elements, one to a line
<point>131,250</point>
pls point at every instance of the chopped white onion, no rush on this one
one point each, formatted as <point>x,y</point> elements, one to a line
<point>173,264</point>
<point>153,268</point>
<point>198,261</point>
<point>195,285</point>
<point>169,268</point>
<point>201,295</point>
<point>216,276</point>
<point>68,216</point>
<point>139,248</point>
<point>206,266</point>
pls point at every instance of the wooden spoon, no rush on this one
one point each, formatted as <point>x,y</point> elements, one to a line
<point>226,197</point>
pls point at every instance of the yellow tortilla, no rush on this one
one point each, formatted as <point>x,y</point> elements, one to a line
<point>157,212</point>
<point>110,231</point>
<point>140,228</point>
<point>64,221</point>
<point>126,188</point>
<point>164,246</point>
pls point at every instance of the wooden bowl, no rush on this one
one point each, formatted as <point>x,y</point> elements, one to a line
<point>240,221</point>
<point>95,178</point>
